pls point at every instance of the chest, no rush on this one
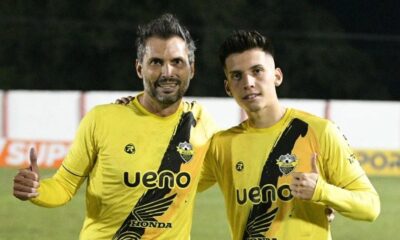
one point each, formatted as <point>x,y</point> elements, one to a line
<point>254,159</point>
<point>150,154</point>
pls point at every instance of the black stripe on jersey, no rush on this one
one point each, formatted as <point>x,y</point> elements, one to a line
<point>260,216</point>
<point>153,202</point>
<point>71,171</point>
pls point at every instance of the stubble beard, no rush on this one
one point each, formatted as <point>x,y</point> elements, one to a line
<point>166,100</point>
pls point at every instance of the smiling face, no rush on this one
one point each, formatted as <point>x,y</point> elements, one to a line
<point>252,79</point>
<point>165,70</point>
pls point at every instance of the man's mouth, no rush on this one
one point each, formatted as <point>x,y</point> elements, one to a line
<point>251,96</point>
<point>169,83</point>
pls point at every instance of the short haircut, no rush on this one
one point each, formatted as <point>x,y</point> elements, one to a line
<point>164,27</point>
<point>242,40</point>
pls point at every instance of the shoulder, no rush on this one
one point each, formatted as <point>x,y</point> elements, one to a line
<point>194,106</point>
<point>108,108</point>
<point>199,111</point>
<point>203,118</point>
<point>228,134</point>
<point>105,111</point>
<point>325,130</point>
<point>317,123</point>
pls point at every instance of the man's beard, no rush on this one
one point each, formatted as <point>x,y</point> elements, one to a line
<point>166,100</point>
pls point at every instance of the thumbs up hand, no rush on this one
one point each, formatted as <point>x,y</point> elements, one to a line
<point>33,160</point>
<point>26,182</point>
<point>303,184</point>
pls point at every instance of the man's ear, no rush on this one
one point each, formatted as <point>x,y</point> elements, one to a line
<point>278,77</point>
<point>139,68</point>
<point>192,70</point>
<point>227,90</point>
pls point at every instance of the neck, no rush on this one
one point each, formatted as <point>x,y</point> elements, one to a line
<point>266,117</point>
<point>156,107</point>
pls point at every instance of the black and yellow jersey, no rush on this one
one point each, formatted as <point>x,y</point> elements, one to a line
<point>142,171</point>
<point>253,168</point>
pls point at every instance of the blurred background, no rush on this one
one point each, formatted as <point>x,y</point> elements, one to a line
<point>340,59</point>
<point>327,49</point>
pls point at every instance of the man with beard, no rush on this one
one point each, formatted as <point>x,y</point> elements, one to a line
<point>142,161</point>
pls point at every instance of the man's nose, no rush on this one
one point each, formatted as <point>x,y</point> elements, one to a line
<point>249,81</point>
<point>167,70</point>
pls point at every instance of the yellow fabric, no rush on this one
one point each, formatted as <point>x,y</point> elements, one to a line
<point>236,159</point>
<point>100,154</point>
<point>58,190</point>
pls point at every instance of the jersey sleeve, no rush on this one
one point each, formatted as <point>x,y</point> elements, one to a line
<point>58,190</point>
<point>61,187</point>
<point>345,187</point>
<point>208,174</point>
<point>208,122</point>
<point>83,152</point>
<point>210,127</point>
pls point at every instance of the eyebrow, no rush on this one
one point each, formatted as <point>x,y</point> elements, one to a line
<point>256,66</point>
<point>154,58</point>
<point>234,71</point>
<point>252,67</point>
<point>178,58</point>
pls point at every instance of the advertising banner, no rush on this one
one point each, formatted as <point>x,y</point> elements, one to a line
<point>15,153</point>
<point>379,162</point>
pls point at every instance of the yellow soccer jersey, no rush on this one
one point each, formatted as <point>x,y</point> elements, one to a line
<point>253,169</point>
<point>142,171</point>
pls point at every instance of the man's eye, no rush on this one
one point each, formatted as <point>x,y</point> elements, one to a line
<point>177,61</point>
<point>155,62</point>
<point>236,76</point>
<point>257,71</point>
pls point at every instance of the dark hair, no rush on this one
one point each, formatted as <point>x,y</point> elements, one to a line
<point>242,40</point>
<point>164,27</point>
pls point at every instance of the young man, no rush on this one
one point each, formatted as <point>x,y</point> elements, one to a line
<point>281,168</point>
<point>142,161</point>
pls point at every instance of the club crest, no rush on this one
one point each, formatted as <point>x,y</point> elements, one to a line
<point>186,151</point>
<point>287,163</point>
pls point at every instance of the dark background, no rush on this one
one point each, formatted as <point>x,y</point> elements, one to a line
<point>326,49</point>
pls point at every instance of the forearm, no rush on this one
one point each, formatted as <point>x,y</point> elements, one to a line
<point>58,190</point>
<point>358,200</point>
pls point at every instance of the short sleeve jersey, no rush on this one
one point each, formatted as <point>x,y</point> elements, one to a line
<point>142,170</point>
<point>252,167</point>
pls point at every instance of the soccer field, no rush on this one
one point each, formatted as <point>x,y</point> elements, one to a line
<point>22,220</point>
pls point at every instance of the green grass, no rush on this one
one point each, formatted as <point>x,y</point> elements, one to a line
<point>23,220</point>
<point>385,227</point>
